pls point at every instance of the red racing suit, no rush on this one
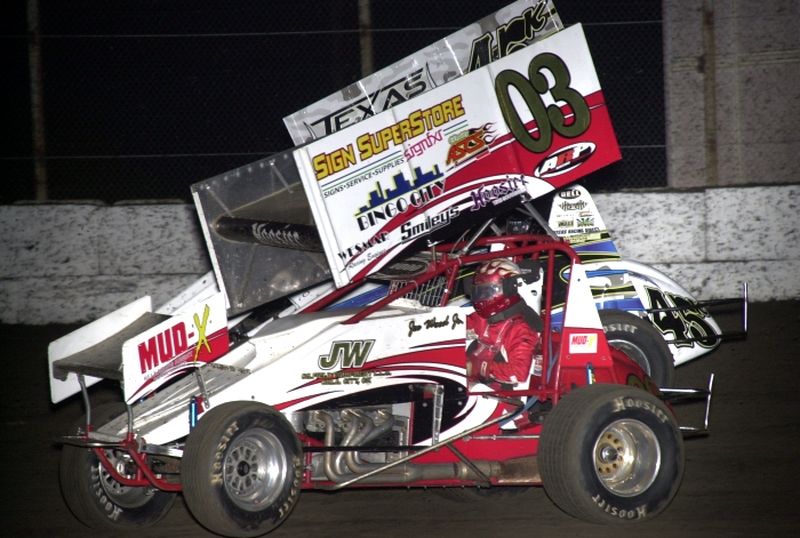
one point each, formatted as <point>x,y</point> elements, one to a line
<point>502,351</point>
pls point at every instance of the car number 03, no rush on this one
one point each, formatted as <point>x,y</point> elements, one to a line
<point>548,118</point>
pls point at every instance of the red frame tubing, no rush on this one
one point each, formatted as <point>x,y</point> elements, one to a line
<point>144,475</point>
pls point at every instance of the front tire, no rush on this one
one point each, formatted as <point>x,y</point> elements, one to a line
<point>95,498</point>
<point>642,343</point>
<point>241,469</point>
<point>611,454</point>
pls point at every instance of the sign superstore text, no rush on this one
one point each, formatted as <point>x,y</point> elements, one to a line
<point>371,144</point>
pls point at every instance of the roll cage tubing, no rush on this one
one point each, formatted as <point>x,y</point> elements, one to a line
<point>445,262</point>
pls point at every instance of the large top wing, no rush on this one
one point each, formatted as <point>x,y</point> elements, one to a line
<point>526,124</point>
<point>345,205</point>
<point>470,48</point>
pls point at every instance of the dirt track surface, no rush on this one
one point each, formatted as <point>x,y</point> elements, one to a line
<point>742,480</point>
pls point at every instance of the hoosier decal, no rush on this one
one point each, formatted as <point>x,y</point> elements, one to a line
<point>497,193</point>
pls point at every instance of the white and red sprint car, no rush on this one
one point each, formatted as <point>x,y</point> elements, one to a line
<point>264,380</point>
<point>378,396</point>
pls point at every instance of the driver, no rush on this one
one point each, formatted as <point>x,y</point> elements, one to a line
<point>504,341</point>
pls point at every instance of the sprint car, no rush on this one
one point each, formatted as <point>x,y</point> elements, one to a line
<point>378,395</point>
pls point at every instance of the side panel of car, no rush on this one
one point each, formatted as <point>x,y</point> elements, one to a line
<point>345,363</point>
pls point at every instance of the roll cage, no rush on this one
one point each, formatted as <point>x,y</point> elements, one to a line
<point>450,263</point>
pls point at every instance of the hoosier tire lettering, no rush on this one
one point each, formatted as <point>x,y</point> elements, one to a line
<point>641,342</point>
<point>639,513</point>
<point>242,469</point>
<point>611,454</point>
<point>112,511</point>
<point>92,494</point>
<point>287,506</point>
<point>621,404</point>
<point>216,467</point>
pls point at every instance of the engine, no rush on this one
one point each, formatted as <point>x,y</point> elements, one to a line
<point>373,430</point>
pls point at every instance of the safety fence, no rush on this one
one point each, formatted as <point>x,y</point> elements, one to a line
<point>116,101</point>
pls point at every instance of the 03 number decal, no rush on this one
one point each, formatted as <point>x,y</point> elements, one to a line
<point>687,325</point>
<point>548,118</point>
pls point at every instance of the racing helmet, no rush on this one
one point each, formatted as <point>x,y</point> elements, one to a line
<point>488,296</point>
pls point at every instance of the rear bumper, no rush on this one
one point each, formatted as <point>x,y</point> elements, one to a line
<point>679,396</point>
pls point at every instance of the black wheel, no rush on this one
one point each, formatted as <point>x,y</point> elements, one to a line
<point>98,500</point>
<point>611,454</point>
<point>241,469</point>
<point>642,342</point>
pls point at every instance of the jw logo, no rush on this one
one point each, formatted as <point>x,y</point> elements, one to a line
<point>348,353</point>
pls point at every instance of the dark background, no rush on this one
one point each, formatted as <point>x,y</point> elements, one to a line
<point>142,98</point>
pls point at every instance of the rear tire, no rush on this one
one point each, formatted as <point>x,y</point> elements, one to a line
<point>95,498</point>
<point>611,454</point>
<point>241,470</point>
<point>642,343</point>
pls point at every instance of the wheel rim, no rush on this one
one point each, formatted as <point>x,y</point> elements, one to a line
<point>627,457</point>
<point>255,469</point>
<point>124,496</point>
<point>634,352</point>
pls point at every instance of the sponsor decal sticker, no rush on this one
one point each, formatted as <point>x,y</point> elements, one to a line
<point>371,144</point>
<point>469,143</point>
<point>435,323</point>
<point>397,91</point>
<point>583,343</point>
<point>419,148</point>
<point>384,204</point>
<point>569,194</point>
<point>202,339</point>
<point>163,347</point>
<point>347,354</point>
<point>176,345</point>
<point>564,160</point>
<point>572,206</point>
<point>172,345</point>
<point>345,377</point>
<point>412,229</point>
<point>497,193</point>
<point>509,37</point>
